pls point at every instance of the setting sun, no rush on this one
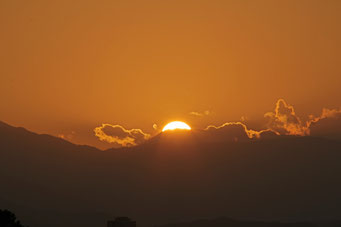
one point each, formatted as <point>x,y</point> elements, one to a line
<point>176,125</point>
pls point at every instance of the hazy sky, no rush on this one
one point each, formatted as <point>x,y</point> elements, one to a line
<point>69,66</point>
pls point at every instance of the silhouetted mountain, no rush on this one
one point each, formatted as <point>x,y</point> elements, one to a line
<point>18,137</point>
<point>173,177</point>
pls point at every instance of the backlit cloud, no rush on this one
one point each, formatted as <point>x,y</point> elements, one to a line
<point>327,125</point>
<point>285,121</point>
<point>326,113</point>
<point>119,135</point>
<point>282,121</point>
<point>231,131</point>
<point>238,131</point>
<point>200,114</point>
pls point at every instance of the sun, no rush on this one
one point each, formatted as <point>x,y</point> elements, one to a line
<point>176,125</point>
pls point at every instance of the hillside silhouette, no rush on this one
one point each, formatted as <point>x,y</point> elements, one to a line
<point>171,178</point>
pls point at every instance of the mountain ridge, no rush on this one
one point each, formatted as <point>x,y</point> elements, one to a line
<point>170,179</point>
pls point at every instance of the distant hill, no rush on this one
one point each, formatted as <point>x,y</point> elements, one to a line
<point>171,178</point>
<point>14,138</point>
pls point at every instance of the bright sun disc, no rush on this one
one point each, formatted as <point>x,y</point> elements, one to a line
<point>176,125</point>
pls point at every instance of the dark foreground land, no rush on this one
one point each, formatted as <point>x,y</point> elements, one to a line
<point>227,222</point>
<point>49,182</point>
<point>9,219</point>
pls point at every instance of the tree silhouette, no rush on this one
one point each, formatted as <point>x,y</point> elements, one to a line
<point>8,219</point>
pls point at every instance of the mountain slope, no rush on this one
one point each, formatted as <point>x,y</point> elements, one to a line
<point>172,177</point>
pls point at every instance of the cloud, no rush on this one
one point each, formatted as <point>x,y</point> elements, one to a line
<point>328,124</point>
<point>200,114</point>
<point>267,134</point>
<point>282,121</point>
<point>119,135</point>
<point>326,113</point>
<point>285,121</point>
<point>231,131</point>
<point>237,131</point>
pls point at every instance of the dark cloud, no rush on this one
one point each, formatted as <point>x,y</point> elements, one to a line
<point>119,135</point>
<point>268,134</point>
<point>284,121</point>
<point>232,131</point>
<point>235,131</point>
<point>327,125</point>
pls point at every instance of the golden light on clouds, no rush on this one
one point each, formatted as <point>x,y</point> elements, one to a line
<point>283,120</point>
<point>117,134</point>
<point>176,125</point>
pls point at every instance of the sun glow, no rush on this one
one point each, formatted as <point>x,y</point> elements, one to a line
<point>176,125</point>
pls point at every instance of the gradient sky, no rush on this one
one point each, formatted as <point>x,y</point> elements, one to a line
<point>69,66</point>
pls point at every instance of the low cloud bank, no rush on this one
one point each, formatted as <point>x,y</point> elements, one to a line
<point>117,134</point>
<point>285,121</point>
<point>238,131</point>
<point>327,125</point>
<point>282,121</point>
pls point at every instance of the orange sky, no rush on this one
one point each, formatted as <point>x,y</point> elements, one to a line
<point>66,67</point>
